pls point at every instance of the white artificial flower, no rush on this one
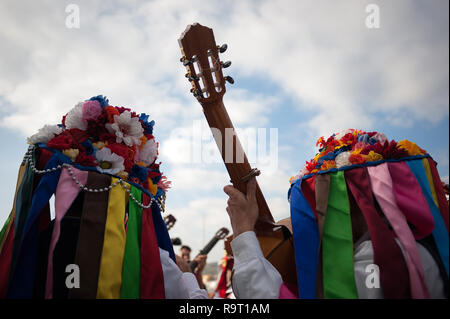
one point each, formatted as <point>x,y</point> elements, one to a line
<point>74,119</point>
<point>44,134</point>
<point>148,152</point>
<point>126,128</point>
<point>341,134</point>
<point>380,137</point>
<point>109,162</point>
<point>342,159</point>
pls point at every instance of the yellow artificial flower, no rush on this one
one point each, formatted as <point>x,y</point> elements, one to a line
<point>152,187</point>
<point>123,175</point>
<point>373,157</point>
<point>72,153</point>
<point>328,165</point>
<point>143,140</point>
<point>411,147</point>
<point>99,145</point>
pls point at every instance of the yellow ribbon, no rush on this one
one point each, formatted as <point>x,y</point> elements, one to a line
<point>426,165</point>
<point>110,276</point>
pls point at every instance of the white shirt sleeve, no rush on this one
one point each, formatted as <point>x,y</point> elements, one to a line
<point>363,257</point>
<point>254,277</point>
<point>179,285</point>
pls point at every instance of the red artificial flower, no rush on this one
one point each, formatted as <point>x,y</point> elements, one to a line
<point>110,111</point>
<point>122,109</point>
<point>356,159</point>
<point>123,151</point>
<point>310,165</point>
<point>68,139</point>
<point>86,160</point>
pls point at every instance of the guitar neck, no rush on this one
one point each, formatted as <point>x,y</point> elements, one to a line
<point>210,245</point>
<point>235,158</point>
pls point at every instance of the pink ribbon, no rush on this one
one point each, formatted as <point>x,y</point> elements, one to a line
<point>286,292</point>
<point>411,200</point>
<point>382,187</point>
<point>66,192</point>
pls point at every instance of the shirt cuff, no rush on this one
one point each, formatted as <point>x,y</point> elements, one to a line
<point>191,281</point>
<point>246,247</point>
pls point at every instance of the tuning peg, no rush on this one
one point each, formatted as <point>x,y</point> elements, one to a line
<point>198,93</point>
<point>226,64</point>
<point>193,78</point>
<point>229,79</point>
<point>187,62</point>
<point>223,48</point>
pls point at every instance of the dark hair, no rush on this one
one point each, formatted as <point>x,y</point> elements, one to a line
<point>186,247</point>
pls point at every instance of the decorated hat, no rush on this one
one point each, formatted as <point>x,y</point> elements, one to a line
<point>101,165</point>
<point>362,183</point>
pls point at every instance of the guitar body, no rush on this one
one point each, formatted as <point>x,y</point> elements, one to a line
<point>200,56</point>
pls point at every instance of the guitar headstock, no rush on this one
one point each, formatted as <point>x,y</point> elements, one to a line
<point>222,233</point>
<point>200,56</point>
<point>170,221</point>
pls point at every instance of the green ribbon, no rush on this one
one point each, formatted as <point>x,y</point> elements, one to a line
<point>337,243</point>
<point>131,271</point>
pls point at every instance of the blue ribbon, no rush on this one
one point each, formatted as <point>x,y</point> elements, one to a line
<point>22,281</point>
<point>306,242</point>
<point>440,233</point>
<point>162,234</point>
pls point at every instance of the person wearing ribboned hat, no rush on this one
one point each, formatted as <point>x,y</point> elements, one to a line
<point>108,239</point>
<point>369,219</point>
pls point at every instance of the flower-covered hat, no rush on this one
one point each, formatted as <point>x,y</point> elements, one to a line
<point>113,140</point>
<point>100,165</point>
<point>361,186</point>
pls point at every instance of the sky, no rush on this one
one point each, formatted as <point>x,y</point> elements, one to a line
<point>302,69</point>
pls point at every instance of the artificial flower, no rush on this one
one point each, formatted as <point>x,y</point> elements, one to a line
<point>373,157</point>
<point>123,151</point>
<point>110,111</point>
<point>74,119</point>
<point>149,152</point>
<point>328,165</point>
<point>44,134</point>
<point>109,162</point>
<point>86,160</point>
<point>148,126</point>
<point>357,158</point>
<point>71,153</point>
<point>99,145</point>
<point>123,175</point>
<point>91,110</point>
<point>127,129</point>
<point>102,100</point>
<point>342,159</point>
<point>139,172</point>
<point>411,147</point>
<point>152,188</point>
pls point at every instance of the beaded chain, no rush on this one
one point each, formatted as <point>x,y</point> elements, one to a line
<point>28,158</point>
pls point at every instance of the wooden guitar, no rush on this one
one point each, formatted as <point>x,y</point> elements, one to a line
<point>169,220</point>
<point>221,234</point>
<point>200,56</point>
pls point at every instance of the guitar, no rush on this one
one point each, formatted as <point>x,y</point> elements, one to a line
<point>220,234</point>
<point>200,56</point>
<point>170,220</point>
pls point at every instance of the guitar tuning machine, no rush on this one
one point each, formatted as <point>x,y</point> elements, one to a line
<point>229,79</point>
<point>198,93</point>
<point>222,48</point>
<point>225,64</point>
